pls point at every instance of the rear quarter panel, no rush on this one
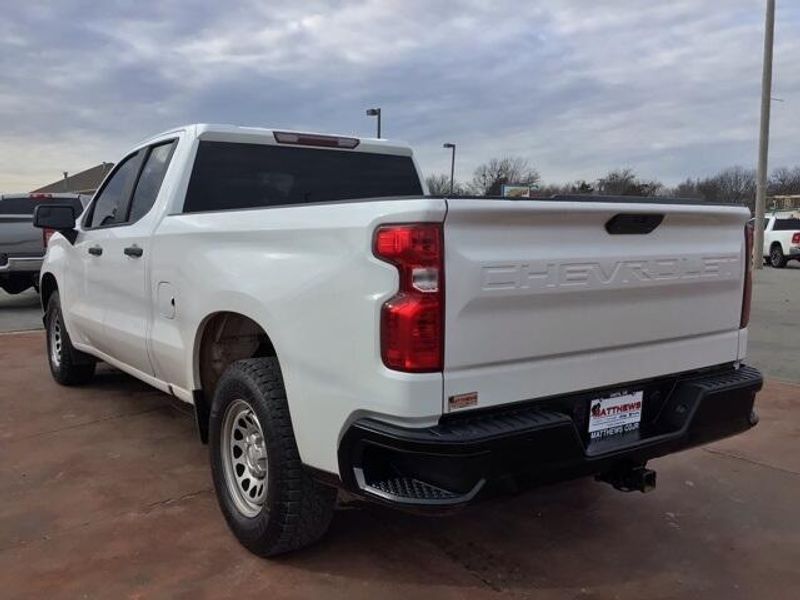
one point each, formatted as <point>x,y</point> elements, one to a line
<point>307,275</point>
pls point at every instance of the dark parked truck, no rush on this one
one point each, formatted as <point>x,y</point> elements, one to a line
<point>335,327</point>
<point>22,246</point>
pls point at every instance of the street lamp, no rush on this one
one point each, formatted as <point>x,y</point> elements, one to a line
<point>452,163</point>
<point>375,112</point>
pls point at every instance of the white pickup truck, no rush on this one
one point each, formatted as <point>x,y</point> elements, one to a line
<point>336,328</point>
<point>781,238</point>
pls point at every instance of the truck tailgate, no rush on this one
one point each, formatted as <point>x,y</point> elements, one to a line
<point>18,236</point>
<point>542,299</point>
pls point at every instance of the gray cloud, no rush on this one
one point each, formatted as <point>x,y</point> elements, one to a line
<point>670,89</point>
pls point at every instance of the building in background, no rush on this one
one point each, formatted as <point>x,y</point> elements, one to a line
<point>85,182</point>
<point>790,202</point>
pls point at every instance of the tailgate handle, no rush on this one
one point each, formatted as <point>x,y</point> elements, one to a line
<point>631,223</point>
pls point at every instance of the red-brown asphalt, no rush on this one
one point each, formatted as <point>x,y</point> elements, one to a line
<point>105,493</point>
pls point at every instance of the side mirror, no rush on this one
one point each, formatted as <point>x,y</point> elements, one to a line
<point>59,217</point>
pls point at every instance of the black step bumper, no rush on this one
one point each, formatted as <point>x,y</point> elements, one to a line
<point>540,441</point>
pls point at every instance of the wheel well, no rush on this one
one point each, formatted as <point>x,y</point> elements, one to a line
<point>778,244</point>
<point>225,338</point>
<point>48,286</point>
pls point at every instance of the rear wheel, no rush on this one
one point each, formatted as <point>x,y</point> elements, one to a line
<point>270,502</point>
<point>68,365</point>
<point>776,257</point>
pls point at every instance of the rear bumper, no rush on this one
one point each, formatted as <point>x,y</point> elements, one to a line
<point>449,464</point>
<point>21,265</point>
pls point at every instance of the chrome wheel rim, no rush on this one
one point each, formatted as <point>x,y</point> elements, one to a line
<point>56,341</point>
<point>244,458</point>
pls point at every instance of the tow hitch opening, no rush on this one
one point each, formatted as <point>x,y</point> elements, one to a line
<point>630,479</point>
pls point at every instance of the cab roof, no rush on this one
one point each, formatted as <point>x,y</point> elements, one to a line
<point>262,135</point>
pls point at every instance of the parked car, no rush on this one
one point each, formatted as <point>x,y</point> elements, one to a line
<point>335,327</point>
<point>781,238</point>
<point>22,246</point>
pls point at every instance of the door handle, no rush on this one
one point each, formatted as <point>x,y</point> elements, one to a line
<point>133,251</point>
<point>95,250</point>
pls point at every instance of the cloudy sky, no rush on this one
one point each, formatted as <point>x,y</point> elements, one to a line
<point>669,88</point>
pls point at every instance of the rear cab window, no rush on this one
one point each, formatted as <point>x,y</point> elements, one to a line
<point>234,175</point>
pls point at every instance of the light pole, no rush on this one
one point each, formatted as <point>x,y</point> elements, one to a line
<point>763,139</point>
<point>452,163</point>
<point>375,112</point>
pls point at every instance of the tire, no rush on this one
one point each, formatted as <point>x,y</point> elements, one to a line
<point>281,508</point>
<point>67,365</point>
<point>16,284</point>
<point>776,257</point>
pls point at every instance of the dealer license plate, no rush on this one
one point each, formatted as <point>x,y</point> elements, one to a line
<point>615,415</point>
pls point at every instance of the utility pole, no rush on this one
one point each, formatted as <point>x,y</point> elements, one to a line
<point>375,112</point>
<point>452,164</point>
<point>763,140</point>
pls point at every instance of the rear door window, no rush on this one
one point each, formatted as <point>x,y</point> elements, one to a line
<point>150,180</point>
<point>234,175</point>
<point>786,224</point>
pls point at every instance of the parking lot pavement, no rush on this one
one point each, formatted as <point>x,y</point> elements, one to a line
<point>774,337</point>
<point>105,492</point>
<point>20,312</point>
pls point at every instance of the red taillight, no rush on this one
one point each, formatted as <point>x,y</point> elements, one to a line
<point>46,235</point>
<point>748,275</point>
<point>412,321</point>
<point>796,238</point>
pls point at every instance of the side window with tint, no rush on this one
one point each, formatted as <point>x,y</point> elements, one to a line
<point>150,180</point>
<point>789,224</point>
<point>111,206</point>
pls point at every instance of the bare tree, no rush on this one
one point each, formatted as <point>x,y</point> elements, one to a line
<point>439,185</point>
<point>581,186</point>
<point>784,181</point>
<point>489,177</point>
<point>734,184</point>
<point>686,189</point>
<point>551,189</point>
<point>623,182</point>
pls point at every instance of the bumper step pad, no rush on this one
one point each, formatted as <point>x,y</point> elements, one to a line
<point>409,488</point>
